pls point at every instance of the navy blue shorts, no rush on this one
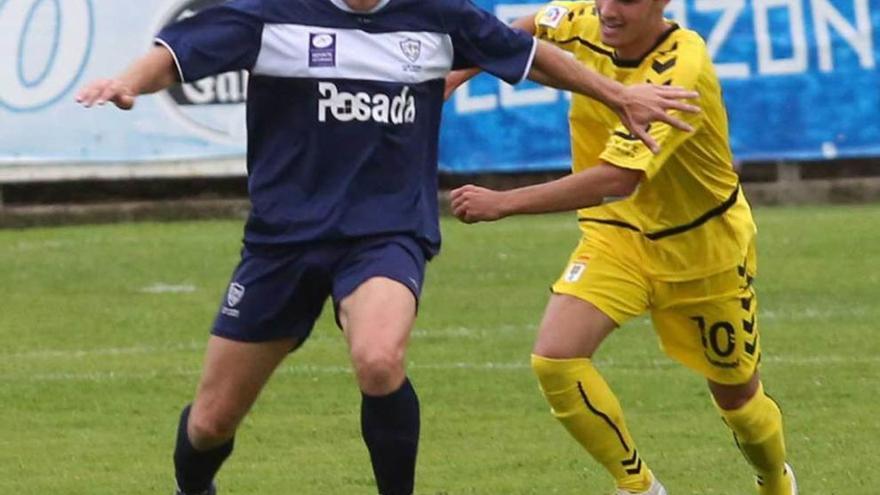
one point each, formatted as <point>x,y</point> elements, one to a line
<point>278,291</point>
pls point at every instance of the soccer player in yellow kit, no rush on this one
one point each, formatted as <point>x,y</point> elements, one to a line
<point>668,233</point>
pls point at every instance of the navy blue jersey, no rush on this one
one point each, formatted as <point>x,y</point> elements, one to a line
<point>344,107</point>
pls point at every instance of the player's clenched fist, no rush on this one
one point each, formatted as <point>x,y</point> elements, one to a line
<point>101,91</point>
<point>472,204</point>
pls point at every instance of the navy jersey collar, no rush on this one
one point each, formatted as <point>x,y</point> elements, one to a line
<point>344,6</point>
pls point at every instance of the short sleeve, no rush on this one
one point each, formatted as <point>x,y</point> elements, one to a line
<point>562,22</point>
<point>625,150</point>
<point>480,39</point>
<point>216,40</point>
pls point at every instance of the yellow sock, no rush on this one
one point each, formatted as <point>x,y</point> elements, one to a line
<point>587,407</point>
<point>757,427</point>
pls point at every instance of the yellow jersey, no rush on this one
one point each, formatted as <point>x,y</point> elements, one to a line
<point>692,216</point>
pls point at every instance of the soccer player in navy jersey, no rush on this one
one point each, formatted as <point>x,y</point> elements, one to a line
<point>344,102</point>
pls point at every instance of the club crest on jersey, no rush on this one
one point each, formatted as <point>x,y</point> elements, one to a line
<point>552,16</point>
<point>412,49</point>
<point>234,294</point>
<point>322,49</point>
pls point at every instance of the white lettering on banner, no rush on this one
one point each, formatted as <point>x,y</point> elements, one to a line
<point>824,14</point>
<point>230,87</point>
<point>767,64</point>
<point>731,10</point>
<point>677,10</point>
<point>345,107</point>
<point>200,92</point>
<point>466,103</point>
<point>45,46</point>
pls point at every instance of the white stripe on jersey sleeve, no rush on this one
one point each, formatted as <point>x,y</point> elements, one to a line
<point>531,60</point>
<point>400,56</point>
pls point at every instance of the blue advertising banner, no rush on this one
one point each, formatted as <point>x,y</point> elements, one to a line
<point>800,80</point>
<point>55,46</point>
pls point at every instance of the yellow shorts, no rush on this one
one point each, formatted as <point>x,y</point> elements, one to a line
<point>710,324</point>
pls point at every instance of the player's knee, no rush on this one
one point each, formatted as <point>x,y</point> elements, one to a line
<point>554,375</point>
<point>755,420</point>
<point>732,402</point>
<point>379,370</point>
<point>733,397</point>
<point>210,429</point>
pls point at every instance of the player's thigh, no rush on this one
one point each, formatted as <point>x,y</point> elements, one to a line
<point>377,319</point>
<point>377,287</point>
<point>376,290</point>
<point>711,326</point>
<point>596,292</point>
<point>571,328</point>
<point>378,314</point>
<point>234,374</point>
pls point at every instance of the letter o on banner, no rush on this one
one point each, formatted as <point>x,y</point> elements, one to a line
<point>47,44</point>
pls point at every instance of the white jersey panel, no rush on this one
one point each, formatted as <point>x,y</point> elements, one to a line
<point>293,50</point>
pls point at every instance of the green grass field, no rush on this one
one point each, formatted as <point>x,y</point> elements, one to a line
<point>102,330</point>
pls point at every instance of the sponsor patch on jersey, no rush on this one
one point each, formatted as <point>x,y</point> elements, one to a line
<point>552,16</point>
<point>381,108</point>
<point>322,49</point>
<point>574,272</point>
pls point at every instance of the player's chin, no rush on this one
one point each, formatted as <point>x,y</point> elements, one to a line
<point>613,37</point>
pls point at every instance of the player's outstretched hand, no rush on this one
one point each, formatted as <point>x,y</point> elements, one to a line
<point>101,91</point>
<point>472,204</point>
<point>642,104</point>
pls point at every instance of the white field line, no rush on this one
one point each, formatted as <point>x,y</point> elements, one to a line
<point>101,351</point>
<point>458,332</point>
<point>811,313</point>
<point>165,288</point>
<point>607,364</point>
<point>64,242</point>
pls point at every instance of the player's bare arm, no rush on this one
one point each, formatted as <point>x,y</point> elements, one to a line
<point>153,72</point>
<point>590,187</point>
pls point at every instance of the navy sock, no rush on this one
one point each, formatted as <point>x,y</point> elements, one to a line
<point>195,469</point>
<point>390,426</point>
